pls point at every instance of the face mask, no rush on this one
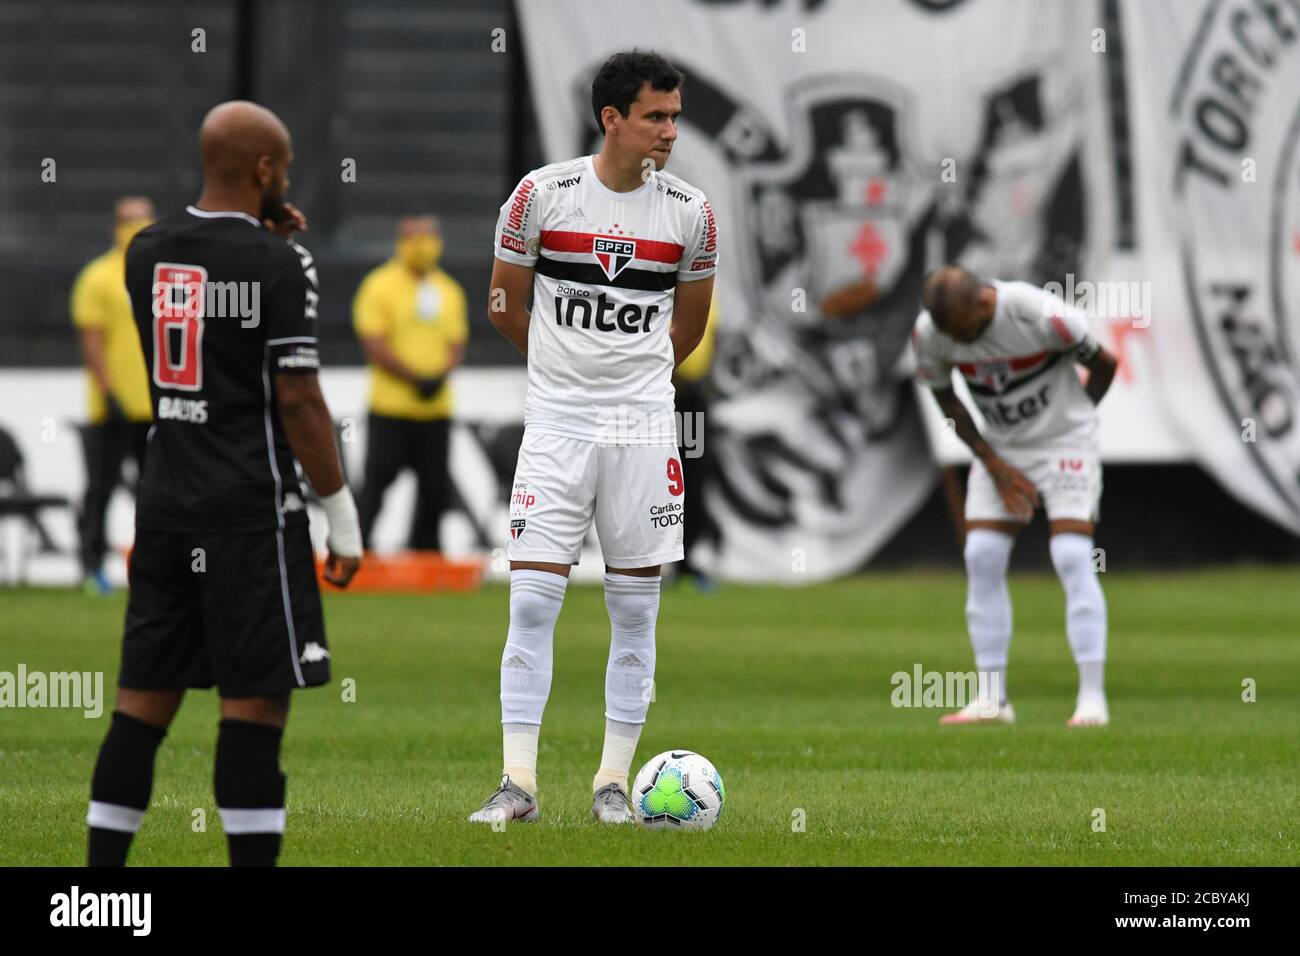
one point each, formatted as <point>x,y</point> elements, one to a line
<point>124,232</point>
<point>419,253</point>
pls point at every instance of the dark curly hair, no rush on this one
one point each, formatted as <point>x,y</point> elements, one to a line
<point>621,77</point>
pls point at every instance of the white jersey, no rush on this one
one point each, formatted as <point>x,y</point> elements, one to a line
<point>1021,370</point>
<point>600,361</point>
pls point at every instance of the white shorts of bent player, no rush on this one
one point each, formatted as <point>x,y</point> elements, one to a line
<point>1068,479</point>
<point>634,494</point>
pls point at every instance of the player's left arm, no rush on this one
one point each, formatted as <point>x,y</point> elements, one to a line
<point>690,317</point>
<point>294,357</point>
<point>1101,366</point>
<point>694,293</point>
<point>1066,330</point>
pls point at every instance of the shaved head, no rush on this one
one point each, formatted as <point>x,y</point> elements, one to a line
<point>954,297</point>
<point>246,153</point>
<point>235,136</point>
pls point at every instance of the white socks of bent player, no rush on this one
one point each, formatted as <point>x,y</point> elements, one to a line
<point>633,605</point>
<point>1085,609</point>
<point>988,606</point>
<point>535,601</point>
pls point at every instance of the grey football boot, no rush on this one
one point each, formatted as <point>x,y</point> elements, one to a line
<point>508,802</point>
<point>611,805</point>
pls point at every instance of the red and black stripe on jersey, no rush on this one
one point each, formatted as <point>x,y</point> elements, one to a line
<point>1020,370</point>
<point>597,274</point>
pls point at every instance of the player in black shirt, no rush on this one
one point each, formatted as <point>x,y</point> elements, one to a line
<point>223,581</point>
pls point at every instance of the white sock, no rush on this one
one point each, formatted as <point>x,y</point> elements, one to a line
<point>1085,609</point>
<point>633,605</point>
<point>1092,679</point>
<point>616,758</point>
<point>535,601</point>
<point>519,744</point>
<point>988,604</point>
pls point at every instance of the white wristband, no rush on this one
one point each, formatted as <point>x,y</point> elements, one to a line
<point>343,535</point>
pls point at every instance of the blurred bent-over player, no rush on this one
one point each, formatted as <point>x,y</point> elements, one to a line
<point>618,257</point>
<point>223,584</point>
<point>1016,346</point>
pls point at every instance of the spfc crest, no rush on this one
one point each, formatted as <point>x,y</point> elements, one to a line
<point>993,375</point>
<point>516,527</point>
<point>613,254</point>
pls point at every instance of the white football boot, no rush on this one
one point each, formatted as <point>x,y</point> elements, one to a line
<point>508,802</point>
<point>1090,711</point>
<point>981,712</point>
<point>611,805</point>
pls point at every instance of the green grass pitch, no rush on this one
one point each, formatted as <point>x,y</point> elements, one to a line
<point>787,691</point>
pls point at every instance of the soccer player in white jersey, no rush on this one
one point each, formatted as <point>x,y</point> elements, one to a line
<point>1017,346</point>
<point>618,257</point>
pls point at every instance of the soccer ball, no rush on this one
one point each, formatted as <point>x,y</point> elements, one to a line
<point>678,790</point>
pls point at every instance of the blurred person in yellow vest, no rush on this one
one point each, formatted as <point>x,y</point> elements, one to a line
<point>693,391</point>
<point>119,410</point>
<point>410,317</point>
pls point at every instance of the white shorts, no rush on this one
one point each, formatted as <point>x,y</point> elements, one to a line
<point>635,493</point>
<point>1068,479</point>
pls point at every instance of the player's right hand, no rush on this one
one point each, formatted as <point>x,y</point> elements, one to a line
<point>340,570</point>
<point>1019,496</point>
<point>288,220</point>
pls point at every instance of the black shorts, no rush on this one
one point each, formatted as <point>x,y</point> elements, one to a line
<point>241,611</point>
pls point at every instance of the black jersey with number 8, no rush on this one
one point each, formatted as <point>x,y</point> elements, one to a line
<point>222,306</point>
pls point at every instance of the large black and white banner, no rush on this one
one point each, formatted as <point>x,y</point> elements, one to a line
<point>847,147</point>
<point>1215,92</point>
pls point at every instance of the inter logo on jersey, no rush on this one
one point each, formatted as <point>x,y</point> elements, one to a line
<point>613,254</point>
